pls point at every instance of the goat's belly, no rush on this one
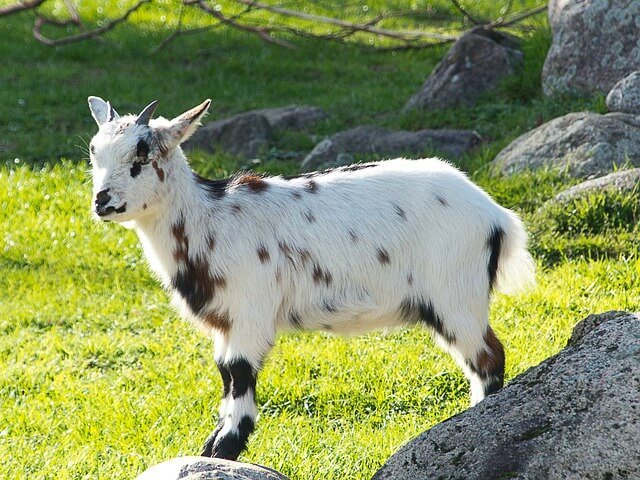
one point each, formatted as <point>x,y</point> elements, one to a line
<point>343,321</point>
<point>363,323</point>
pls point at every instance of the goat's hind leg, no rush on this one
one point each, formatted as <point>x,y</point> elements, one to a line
<point>466,334</point>
<point>481,357</point>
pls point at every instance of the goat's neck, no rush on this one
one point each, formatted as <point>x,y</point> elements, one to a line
<point>184,202</point>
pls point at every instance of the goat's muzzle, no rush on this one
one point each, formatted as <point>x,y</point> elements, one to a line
<point>102,200</point>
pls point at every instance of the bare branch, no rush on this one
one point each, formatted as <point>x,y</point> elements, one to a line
<point>263,32</point>
<point>19,7</point>
<point>338,30</point>
<point>41,21</point>
<point>466,14</point>
<point>395,34</point>
<point>517,17</point>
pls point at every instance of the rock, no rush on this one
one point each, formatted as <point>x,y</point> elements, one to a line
<point>202,468</point>
<point>586,143</point>
<point>246,134</point>
<point>623,181</point>
<point>295,117</point>
<point>386,143</point>
<point>625,95</point>
<point>242,135</point>
<point>475,64</point>
<point>595,44</point>
<point>574,416</point>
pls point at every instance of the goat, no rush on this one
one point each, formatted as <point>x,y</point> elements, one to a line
<point>383,244</point>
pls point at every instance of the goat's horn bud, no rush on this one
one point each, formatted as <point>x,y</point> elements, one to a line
<point>145,115</point>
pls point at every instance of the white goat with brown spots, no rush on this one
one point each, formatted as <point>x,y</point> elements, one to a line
<point>398,242</point>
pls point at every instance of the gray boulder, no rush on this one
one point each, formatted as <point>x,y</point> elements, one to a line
<point>586,144</point>
<point>623,181</point>
<point>295,117</point>
<point>242,135</point>
<point>386,143</point>
<point>202,468</point>
<point>475,64</point>
<point>625,95</point>
<point>595,44</point>
<point>246,134</point>
<point>574,416</point>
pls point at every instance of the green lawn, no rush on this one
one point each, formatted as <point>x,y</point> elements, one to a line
<point>99,378</point>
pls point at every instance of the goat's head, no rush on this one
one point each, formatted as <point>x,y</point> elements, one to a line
<point>133,155</point>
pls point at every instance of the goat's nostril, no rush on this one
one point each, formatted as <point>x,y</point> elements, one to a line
<point>103,198</point>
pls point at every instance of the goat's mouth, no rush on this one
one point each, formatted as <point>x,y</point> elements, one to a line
<point>106,211</point>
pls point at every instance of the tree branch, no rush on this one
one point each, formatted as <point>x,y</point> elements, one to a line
<point>41,21</point>
<point>466,14</point>
<point>342,29</point>
<point>517,17</point>
<point>395,34</point>
<point>19,7</point>
<point>263,32</point>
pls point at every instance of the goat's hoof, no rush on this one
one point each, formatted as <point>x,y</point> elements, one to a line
<point>227,447</point>
<point>207,449</point>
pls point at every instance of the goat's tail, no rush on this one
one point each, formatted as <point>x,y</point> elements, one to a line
<point>511,267</point>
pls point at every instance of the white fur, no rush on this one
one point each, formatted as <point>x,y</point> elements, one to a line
<point>425,215</point>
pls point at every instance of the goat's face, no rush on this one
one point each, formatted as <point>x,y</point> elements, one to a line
<point>132,159</point>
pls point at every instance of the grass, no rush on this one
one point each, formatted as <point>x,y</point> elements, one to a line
<point>100,379</point>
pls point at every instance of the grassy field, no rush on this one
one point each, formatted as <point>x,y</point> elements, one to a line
<point>100,379</point>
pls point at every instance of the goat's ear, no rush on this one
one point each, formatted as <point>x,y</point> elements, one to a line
<point>101,111</point>
<point>183,126</point>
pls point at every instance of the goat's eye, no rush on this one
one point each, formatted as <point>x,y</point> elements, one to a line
<point>142,152</point>
<point>135,169</point>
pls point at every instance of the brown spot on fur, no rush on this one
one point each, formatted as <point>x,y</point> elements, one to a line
<point>284,248</point>
<point>217,280</point>
<point>490,361</point>
<point>159,171</point>
<point>278,276</point>
<point>329,307</point>
<point>236,209</point>
<point>442,201</point>
<point>401,213</point>
<point>383,256</point>
<point>311,186</point>
<point>310,217</point>
<point>144,206</point>
<point>255,183</point>
<point>263,254</point>
<point>216,321</point>
<point>305,255</point>
<point>322,276</point>
<point>410,279</point>
<point>181,250</point>
<point>211,241</point>
<point>195,283</point>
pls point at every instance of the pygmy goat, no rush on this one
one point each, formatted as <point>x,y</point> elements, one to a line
<point>397,242</point>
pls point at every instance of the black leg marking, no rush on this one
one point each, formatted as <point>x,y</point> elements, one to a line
<point>418,310</point>
<point>495,245</point>
<point>243,377</point>
<point>231,445</point>
<point>226,379</point>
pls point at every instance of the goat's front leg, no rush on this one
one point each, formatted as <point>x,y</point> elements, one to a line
<point>239,363</point>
